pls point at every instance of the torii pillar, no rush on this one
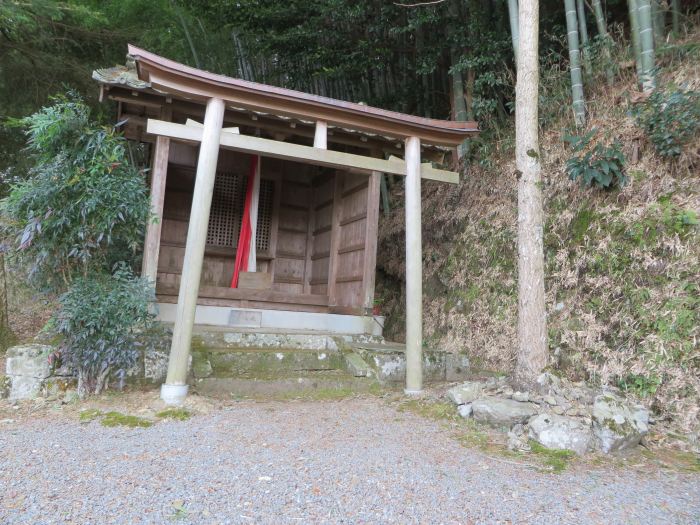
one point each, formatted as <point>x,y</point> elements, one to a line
<point>414,270</point>
<point>174,390</point>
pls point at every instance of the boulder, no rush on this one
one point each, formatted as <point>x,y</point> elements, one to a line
<point>561,433</point>
<point>27,367</point>
<point>502,413</point>
<point>466,392</point>
<point>465,410</point>
<point>523,397</point>
<point>618,425</point>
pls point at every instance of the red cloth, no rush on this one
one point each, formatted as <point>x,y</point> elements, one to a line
<point>243,250</point>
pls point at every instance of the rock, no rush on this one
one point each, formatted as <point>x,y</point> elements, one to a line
<point>27,367</point>
<point>548,381</point>
<point>550,400</point>
<point>618,425</point>
<point>502,413</point>
<point>58,386</point>
<point>522,397</point>
<point>517,438</point>
<point>466,392</point>
<point>558,410</point>
<point>465,410</point>
<point>561,433</point>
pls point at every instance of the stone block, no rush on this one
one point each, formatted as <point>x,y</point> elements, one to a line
<point>466,392</point>
<point>561,433</point>
<point>618,425</point>
<point>456,367</point>
<point>29,360</point>
<point>502,413</point>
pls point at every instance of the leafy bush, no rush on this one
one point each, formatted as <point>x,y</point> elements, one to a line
<point>599,164</point>
<point>105,321</point>
<point>670,119</point>
<point>82,207</point>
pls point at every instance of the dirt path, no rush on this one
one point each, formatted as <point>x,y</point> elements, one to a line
<point>349,461</point>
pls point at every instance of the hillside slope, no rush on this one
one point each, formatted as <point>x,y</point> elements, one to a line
<point>622,266</point>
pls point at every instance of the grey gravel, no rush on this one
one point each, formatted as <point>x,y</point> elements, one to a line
<point>352,461</point>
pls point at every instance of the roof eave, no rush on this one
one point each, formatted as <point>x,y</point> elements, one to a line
<point>187,82</point>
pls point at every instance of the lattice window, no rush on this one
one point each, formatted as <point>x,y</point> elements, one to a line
<point>226,209</point>
<point>226,213</point>
<point>262,235</point>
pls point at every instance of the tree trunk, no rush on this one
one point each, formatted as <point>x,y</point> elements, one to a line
<point>583,34</point>
<point>460,105</point>
<point>634,34</point>
<point>646,40</point>
<point>575,64</point>
<point>532,323</point>
<point>676,17</point>
<point>659,21</point>
<point>605,40</point>
<point>514,26</point>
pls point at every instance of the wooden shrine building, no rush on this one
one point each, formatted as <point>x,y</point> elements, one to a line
<point>268,201</point>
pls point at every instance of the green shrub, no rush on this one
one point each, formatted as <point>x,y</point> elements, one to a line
<point>106,323</point>
<point>82,207</point>
<point>671,119</point>
<point>595,163</point>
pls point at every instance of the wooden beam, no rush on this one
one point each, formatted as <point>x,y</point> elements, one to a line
<point>297,153</point>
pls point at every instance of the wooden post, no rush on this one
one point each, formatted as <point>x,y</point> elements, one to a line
<point>414,270</point>
<point>372,221</point>
<point>321,135</point>
<point>336,214</point>
<point>175,388</point>
<point>151,248</point>
<point>254,204</point>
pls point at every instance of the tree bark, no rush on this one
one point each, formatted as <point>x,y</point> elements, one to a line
<point>575,64</point>
<point>532,323</point>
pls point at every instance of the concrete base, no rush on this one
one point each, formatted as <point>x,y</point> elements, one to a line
<point>253,319</point>
<point>173,394</point>
<point>412,393</point>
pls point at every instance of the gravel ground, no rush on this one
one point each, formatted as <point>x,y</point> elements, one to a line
<point>350,461</point>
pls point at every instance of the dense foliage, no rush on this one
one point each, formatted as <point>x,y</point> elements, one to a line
<point>105,322</point>
<point>74,224</point>
<point>595,163</point>
<point>671,119</point>
<point>82,206</point>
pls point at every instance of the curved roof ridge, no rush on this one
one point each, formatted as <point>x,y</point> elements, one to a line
<point>169,73</point>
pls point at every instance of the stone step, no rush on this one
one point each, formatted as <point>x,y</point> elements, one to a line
<point>318,384</point>
<point>261,362</point>
<point>388,360</point>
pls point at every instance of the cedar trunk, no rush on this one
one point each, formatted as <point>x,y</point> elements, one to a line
<point>532,323</point>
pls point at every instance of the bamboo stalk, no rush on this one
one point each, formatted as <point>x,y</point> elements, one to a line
<point>575,64</point>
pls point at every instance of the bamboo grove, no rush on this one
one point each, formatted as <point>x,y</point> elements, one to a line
<point>445,59</point>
